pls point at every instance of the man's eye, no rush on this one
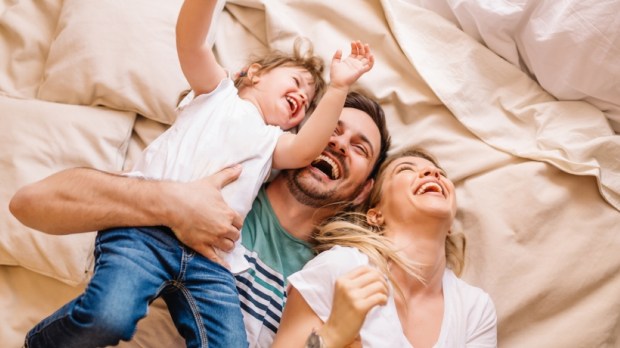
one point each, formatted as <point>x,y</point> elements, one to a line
<point>362,149</point>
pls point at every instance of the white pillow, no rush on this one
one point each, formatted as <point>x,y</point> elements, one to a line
<point>570,47</point>
<point>42,138</point>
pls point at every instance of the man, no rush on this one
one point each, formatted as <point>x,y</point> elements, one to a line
<point>276,233</point>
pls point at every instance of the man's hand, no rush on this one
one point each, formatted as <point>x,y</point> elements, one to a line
<point>344,72</point>
<point>355,294</point>
<point>200,217</point>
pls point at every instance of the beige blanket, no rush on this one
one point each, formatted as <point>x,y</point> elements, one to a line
<point>538,179</point>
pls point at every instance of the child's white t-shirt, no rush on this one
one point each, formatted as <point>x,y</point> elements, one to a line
<point>469,314</point>
<point>214,131</point>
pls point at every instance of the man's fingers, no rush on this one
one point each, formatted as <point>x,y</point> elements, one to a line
<point>232,234</point>
<point>226,176</point>
<point>209,252</point>
<point>237,222</point>
<point>225,244</point>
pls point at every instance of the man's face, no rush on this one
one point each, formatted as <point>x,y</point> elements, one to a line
<point>340,172</point>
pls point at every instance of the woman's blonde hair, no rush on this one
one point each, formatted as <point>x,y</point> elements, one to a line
<point>353,230</point>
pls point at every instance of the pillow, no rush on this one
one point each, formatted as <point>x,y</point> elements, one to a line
<point>570,47</point>
<point>119,54</point>
<point>26,31</point>
<point>41,138</point>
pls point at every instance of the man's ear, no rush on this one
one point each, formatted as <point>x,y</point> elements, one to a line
<point>374,217</point>
<point>361,197</point>
<point>252,73</point>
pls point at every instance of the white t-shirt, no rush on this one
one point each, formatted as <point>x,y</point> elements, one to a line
<point>469,318</point>
<point>214,131</point>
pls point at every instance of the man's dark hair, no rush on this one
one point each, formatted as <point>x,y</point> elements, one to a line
<point>359,101</point>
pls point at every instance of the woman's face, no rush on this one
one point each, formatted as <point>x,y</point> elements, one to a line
<point>414,188</point>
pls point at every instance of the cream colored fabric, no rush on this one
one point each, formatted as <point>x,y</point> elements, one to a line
<point>569,46</point>
<point>45,138</point>
<point>119,54</point>
<point>538,180</point>
<point>26,297</point>
<point>24,46</point>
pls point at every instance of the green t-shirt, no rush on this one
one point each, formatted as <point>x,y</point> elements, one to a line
<point>273,255</point>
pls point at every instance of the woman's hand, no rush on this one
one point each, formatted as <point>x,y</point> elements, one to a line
<point>355,294</point>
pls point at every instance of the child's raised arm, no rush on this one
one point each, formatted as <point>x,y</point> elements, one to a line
<point>296,151</point>
<point>198,63</point>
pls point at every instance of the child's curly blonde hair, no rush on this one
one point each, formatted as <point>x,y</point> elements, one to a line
<point>302,57</point>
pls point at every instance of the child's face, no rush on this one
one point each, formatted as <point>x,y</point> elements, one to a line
<point>283,95</point>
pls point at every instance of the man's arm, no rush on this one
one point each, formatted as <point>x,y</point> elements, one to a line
<point>83,200</point>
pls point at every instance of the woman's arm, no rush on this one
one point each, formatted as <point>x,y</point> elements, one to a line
<point>355,294</point>
<point>84,200</point>
<point>298,321</point>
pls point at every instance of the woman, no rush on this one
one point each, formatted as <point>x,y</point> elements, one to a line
<point>405,234</point>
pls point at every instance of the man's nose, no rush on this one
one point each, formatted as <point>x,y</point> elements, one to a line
<point>338,143</point>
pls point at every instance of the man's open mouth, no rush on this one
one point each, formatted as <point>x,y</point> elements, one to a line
<point>327,166</point>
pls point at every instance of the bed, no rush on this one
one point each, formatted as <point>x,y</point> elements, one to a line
<point>519,100</point>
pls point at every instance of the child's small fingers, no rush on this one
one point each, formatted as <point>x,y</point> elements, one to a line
<point>354,48</point>
<point>361,48</point>
<point>367,49</point>
<point>337,55</point>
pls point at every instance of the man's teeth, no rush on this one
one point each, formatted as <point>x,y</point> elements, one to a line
<point>429,186</point>
<point>335,171</point>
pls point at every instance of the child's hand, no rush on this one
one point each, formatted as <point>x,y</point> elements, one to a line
<point>344,72</point>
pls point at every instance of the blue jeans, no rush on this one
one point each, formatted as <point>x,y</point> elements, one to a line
<point>134,266</point>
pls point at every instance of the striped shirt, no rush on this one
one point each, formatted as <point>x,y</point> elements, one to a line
<point>273,255</point>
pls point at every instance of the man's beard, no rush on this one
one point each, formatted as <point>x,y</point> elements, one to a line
<point>313,196</point>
